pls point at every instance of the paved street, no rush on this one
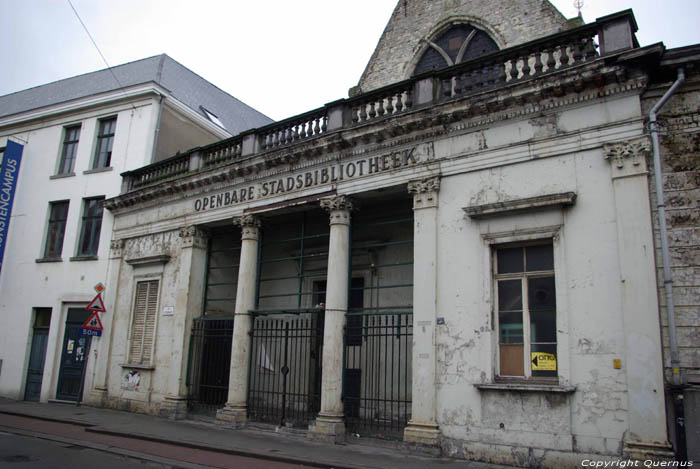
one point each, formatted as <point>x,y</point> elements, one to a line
<point>196,444</point>
<point>32,443</point>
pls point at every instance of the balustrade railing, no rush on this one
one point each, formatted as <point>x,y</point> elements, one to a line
<point>567,49</point>
<point>518,64</point>
<point>159,172</point>
<point>382,103</point>
<point>222,152</point>
<point>303,127</point>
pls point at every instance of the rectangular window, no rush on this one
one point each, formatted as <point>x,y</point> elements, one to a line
<point>143,324</point>
<point>526,306</point>
<point>90,227</point>
<point>105,139</point>
<point>58,214</point>
<point>71,136</point>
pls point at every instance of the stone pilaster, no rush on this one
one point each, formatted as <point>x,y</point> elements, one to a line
<point>422,430</point>
<point>191,260</point>
<point>234,414</point>
<point>98,395</point>
<point>646,436</point>
<point>329,425</point>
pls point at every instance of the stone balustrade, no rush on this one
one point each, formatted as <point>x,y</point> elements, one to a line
<point>302,127</point>
<point>568,49</point>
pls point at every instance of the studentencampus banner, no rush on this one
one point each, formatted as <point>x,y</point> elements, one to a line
<point>8,183</point>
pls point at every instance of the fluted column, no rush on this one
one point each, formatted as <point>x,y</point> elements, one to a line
<point>329,425</point>
<point>422,429</point>
<point>235,411</point>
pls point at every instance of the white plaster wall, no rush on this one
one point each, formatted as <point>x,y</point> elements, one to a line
<point>24,283</point>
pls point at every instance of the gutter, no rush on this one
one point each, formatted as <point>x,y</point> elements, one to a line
<point>665,258</point>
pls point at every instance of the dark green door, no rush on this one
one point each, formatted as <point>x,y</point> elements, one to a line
<point>73,356</point>
<point>35,372</point>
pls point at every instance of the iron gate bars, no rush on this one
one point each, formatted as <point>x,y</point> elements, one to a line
<point>379,324</point>
<point>377,375</point>
<point>209,362</point>
<point>285,369</point>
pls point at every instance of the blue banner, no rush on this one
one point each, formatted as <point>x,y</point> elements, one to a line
<point>9,173</point>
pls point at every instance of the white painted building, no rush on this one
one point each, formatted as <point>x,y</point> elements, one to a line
<point>79,135</point>
<point>485,286</point>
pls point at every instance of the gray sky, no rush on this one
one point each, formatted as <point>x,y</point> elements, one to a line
<point>279,56</point>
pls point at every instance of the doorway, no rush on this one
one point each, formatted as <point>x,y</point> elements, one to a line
<point>73,356</point>
<point>37,356</point>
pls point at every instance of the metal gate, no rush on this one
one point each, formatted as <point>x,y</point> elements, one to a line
<point>285,369</point>
<point>378,351</point>
<point>210,359</point>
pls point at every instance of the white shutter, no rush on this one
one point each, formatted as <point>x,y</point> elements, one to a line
<point>144,322</point>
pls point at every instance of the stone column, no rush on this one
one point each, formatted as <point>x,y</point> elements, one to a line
<point>235,412</point>
<point>189,289</point>
<point>98,395</point>
<point>646,436</point>
<point>422,429</point>
<point>329,425</point>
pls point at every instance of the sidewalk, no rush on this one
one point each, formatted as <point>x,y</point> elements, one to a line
<point>249,442</point>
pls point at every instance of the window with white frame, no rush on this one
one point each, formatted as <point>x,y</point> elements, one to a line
<point>71,136</point>
<point>90,227</point>
<point>105,140</point>
<point>526,310</point>
<point>58,214</point>
<point>143,322</point>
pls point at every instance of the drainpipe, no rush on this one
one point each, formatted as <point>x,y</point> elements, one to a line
<point>668,279</point>
<point>157,132</point>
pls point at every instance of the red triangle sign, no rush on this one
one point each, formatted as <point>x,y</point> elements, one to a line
<point>97,305</point>
<point>93,322</point>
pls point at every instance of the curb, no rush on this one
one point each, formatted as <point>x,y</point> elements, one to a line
<point>233,452</point>
<point>48,419</point>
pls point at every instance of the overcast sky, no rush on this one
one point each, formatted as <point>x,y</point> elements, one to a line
<point>279,56</point>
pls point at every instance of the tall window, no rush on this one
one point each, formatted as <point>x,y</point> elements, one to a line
<point>90,227</point>
<point>58,214</point>
<point>524,283</point>
<point>105,139</point>
<point>71,136</point>
<point>143,324</point>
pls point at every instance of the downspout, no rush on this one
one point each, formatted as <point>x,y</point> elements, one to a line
<point>157,132</point>
<point>668,279</point>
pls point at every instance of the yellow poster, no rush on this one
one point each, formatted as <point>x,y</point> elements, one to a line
<point>542,361</point>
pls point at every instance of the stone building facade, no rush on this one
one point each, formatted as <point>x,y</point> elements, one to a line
<point>463,260</point>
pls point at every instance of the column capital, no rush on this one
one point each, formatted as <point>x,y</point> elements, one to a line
<point>628,157</point>
<point>193,236</point>
<point>339,207</point>
<point>425,192</point>
<point>250,226</point>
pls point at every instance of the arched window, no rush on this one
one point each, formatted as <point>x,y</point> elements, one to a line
<point>460,43</point>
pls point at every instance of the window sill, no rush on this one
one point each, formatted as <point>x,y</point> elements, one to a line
<point>526,387</point>
<point>137,366</point>
<point>83,258</point>
<point>98,170</point>
<point>61,176</point>
<point>48,259</point>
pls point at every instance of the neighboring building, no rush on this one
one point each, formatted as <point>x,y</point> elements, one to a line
<point>679,143</point>
<point>78,135</point>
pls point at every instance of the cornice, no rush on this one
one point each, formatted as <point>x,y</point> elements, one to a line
<point>82,104</point>
<point>544,94</point>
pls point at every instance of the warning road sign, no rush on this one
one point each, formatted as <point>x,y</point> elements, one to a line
<point>93,322</point>
<point>97,305</point>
